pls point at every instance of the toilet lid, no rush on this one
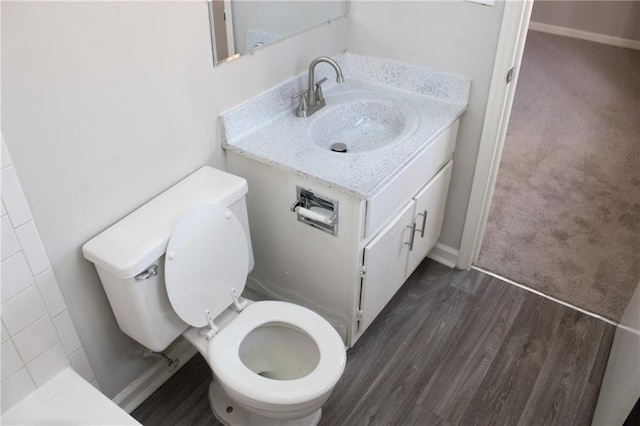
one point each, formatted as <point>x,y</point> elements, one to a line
<point>207,256</point>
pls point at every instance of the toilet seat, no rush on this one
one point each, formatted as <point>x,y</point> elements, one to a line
<point>224,356</point>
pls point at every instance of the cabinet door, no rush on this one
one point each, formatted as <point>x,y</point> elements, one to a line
<point>385,261</point>
<point>429,215</point>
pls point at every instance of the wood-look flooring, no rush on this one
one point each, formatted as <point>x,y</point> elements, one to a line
<point>451,348</point>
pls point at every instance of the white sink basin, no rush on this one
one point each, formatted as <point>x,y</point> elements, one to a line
<point>362,122</point>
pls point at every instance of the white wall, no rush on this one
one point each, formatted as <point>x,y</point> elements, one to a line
<point>612,18</point>
<point>105,105</point>
<point>38,335</point>
<point>451,35</point>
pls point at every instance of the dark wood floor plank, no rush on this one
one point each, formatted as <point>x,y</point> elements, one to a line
<point>402,379</point>
<point>182,400</point>
<point>418,416</point>
<point>441,327</point>
<point>472,282</point>
<point>555,399</point>
<point>513,373</point>
<point>464,365</point>
<point>382,340</point>
<point>602,357</point>
<point>587,403</point>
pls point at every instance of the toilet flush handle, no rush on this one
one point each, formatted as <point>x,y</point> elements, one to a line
<point>147,273</point>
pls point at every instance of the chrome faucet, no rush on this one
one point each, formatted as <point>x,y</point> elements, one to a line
<point>311,100</point>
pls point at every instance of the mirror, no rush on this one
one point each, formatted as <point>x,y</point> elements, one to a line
<point>239,27</point>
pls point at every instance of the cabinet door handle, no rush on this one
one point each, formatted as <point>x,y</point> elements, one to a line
<point>424,222</point>
<point>413,236</point>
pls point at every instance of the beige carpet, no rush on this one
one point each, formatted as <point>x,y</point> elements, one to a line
<point>565,217</point>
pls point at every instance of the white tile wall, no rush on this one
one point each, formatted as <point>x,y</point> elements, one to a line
<point>5,334</point>
<point>10,245</point>
<point>48,286</point>
<point>15,277</point>
<point>24,309</point>
<point>36,339</point>
<point>13,197</point>
<point>67,332</point>
<point>11,361</point>
<point>32,246</point>
<point>48,364</point>
<point>5,158</point>
<point>38,335</point>
<point>16,387</point>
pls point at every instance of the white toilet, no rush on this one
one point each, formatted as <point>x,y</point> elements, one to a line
<point>274,363</point>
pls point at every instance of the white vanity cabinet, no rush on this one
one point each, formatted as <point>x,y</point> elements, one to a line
<point>395,252</point>
<point>350,274</point>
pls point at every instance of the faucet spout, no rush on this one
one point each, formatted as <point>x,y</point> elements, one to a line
<point>312,68</point>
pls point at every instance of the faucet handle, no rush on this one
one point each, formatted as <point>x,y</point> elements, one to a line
<point>297,95</point>
<point>301,111</point>
<point>319,96</point>
<point>318,83</point>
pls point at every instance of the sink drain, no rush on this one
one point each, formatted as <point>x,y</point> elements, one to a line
<point>339,147</point>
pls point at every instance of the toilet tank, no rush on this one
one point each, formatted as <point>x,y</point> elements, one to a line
<point>125,254</point>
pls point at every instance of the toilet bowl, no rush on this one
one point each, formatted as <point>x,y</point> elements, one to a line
<point>273,362</point>
<point>281,360</point>
<point>275,359</point>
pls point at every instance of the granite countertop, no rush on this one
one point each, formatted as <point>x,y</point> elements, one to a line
<point>267,130</point>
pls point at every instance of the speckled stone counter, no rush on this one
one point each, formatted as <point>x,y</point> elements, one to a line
<point>266,128</point>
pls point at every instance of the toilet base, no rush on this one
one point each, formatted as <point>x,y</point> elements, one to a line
<point>230,414</point>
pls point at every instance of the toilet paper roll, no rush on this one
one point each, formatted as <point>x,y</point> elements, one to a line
<point>319,215</point>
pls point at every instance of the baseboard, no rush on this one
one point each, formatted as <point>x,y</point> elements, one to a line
<point>585,35</point>
<point>141,388</point>
<point>446,255</point>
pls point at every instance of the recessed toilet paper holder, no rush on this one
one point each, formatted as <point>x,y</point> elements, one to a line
<point>316,211</point>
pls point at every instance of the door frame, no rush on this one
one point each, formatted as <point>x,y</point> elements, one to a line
<point>221,31</point>
<point>228,20</point>
<point>513,34</point>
